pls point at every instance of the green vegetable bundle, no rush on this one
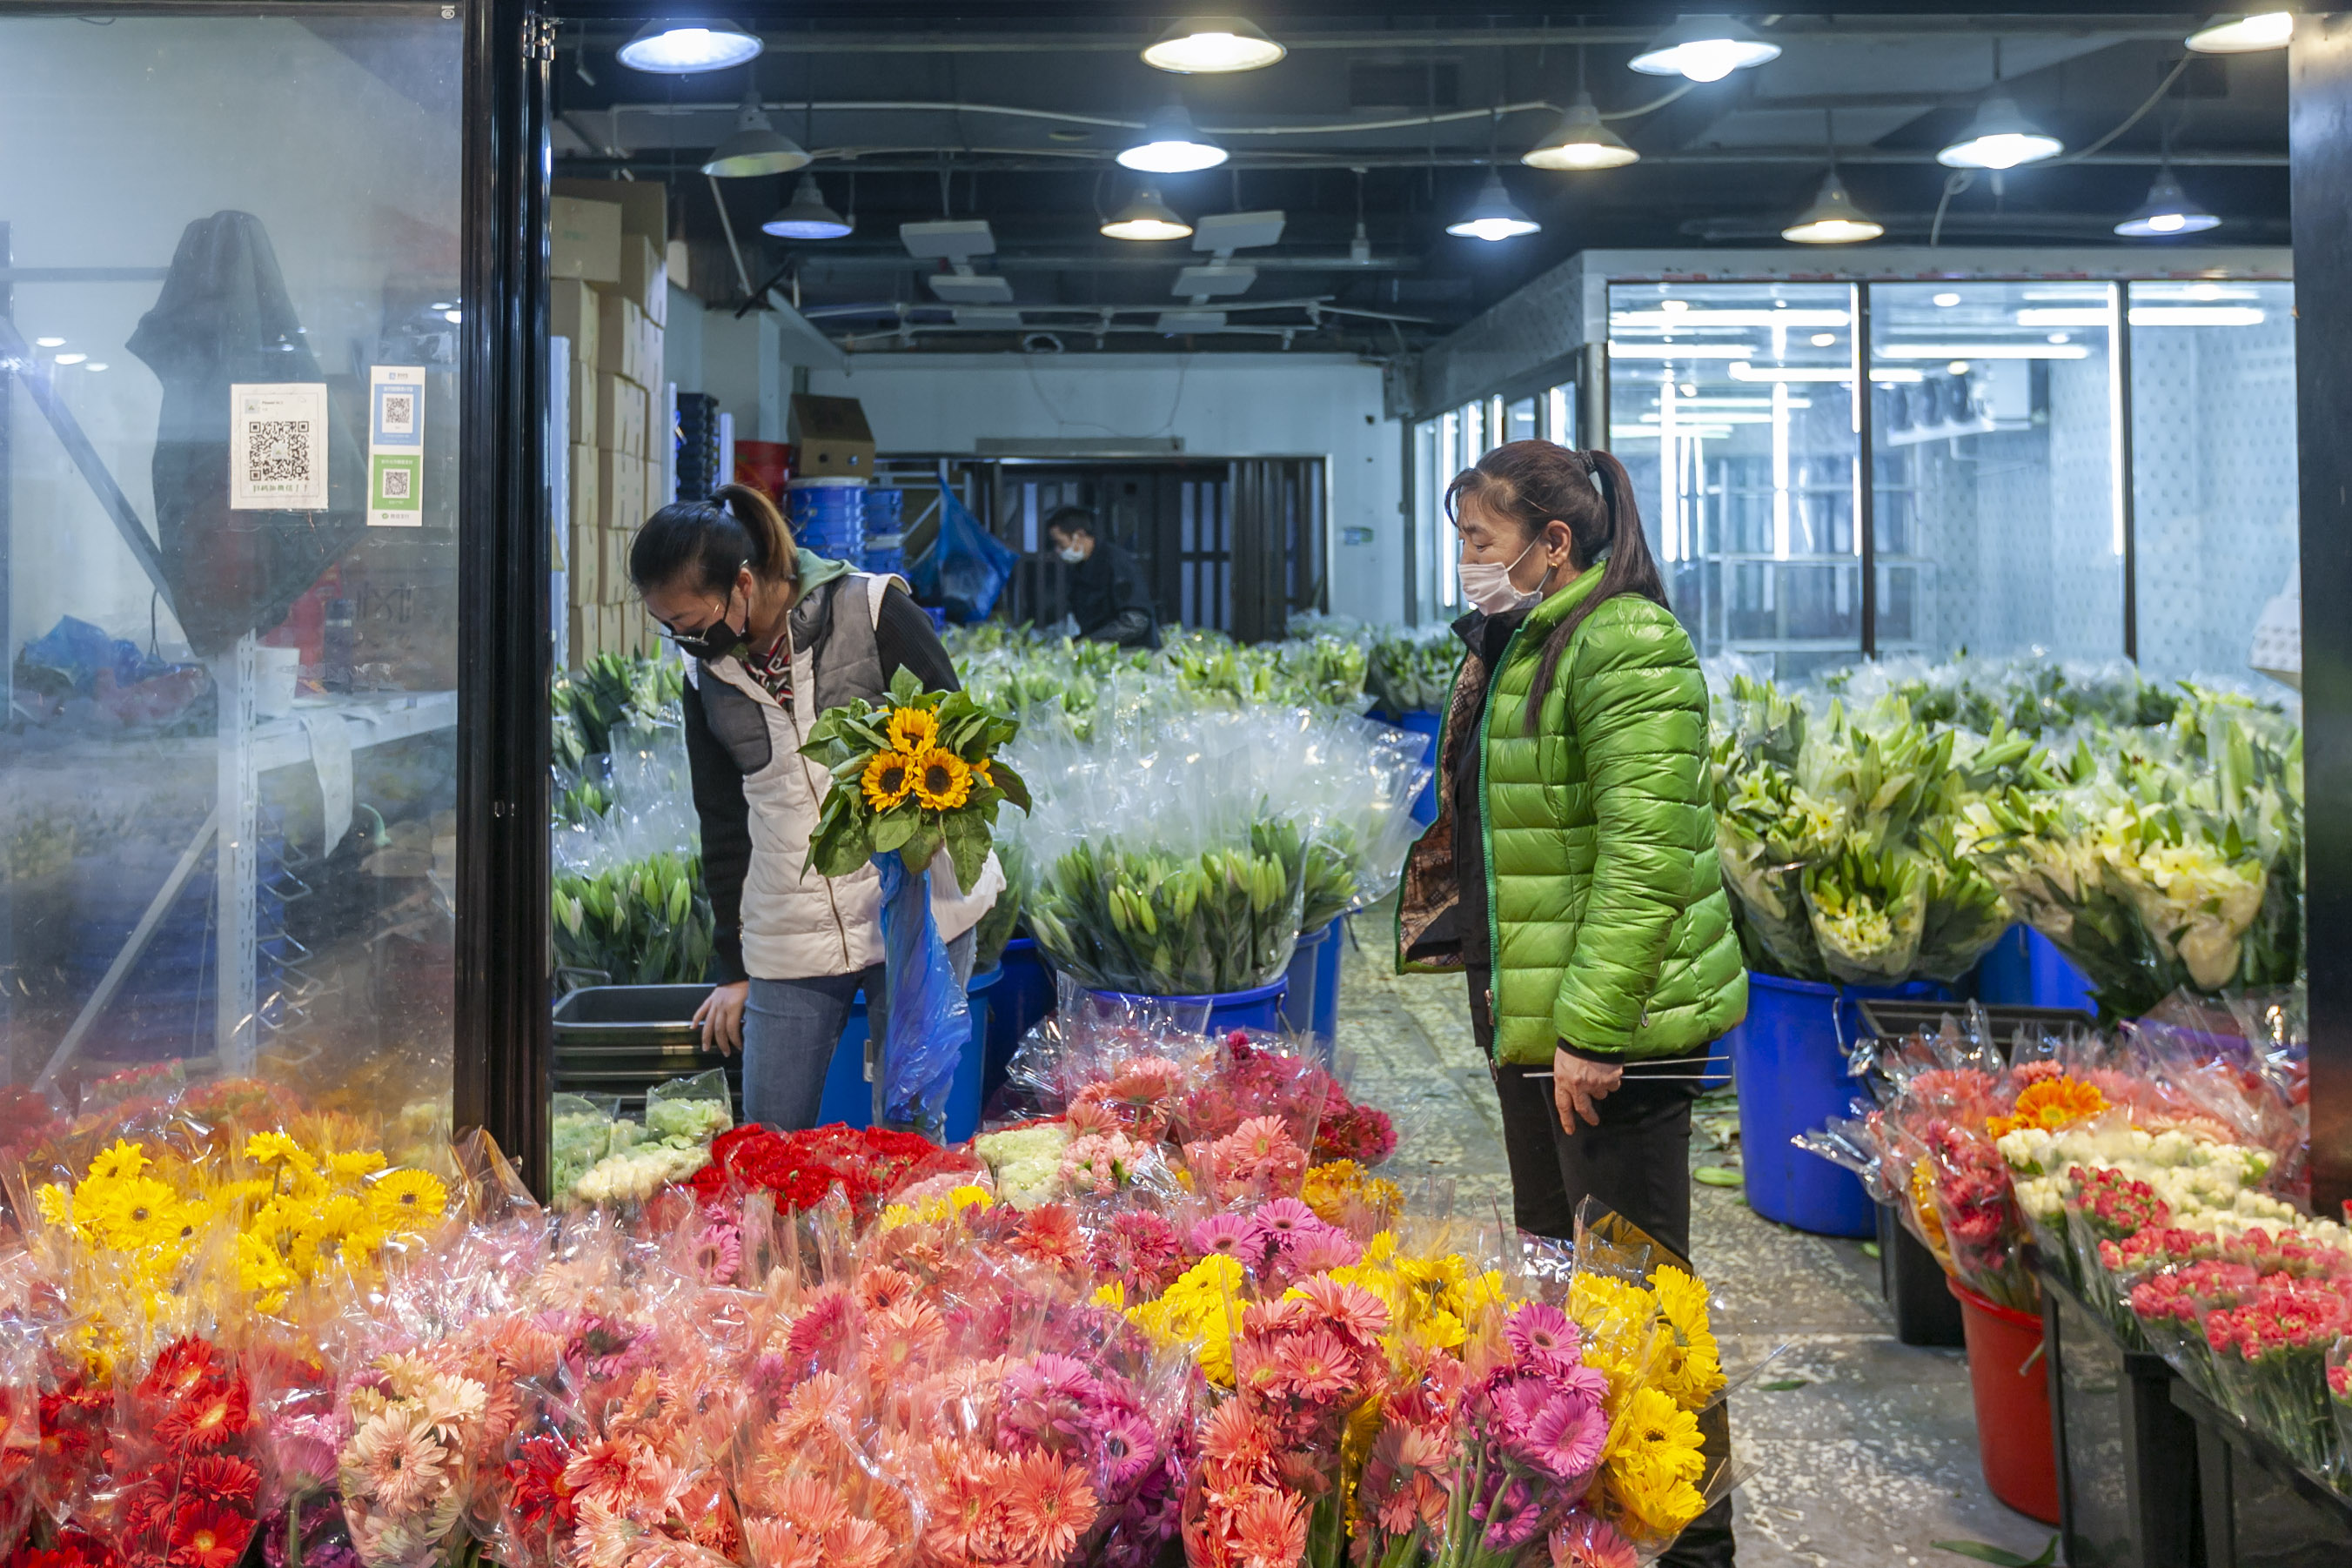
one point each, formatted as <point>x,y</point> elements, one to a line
<point>643,923</point>
<point>1413,675</point>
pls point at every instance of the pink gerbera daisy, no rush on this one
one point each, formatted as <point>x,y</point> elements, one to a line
<point>1565,1437</point>
<point>1236,1436</point>
<point>1229,1234</point>
<point>1269,1530</point>
<point>1542,1332</point>
<point>1585,1541</point>
<point>1350,1309</point>
<point>1313,1366</point>
<point>397,1455</point>
<point>857,1543</point>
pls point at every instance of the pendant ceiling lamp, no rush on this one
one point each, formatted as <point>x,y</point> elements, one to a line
<point>1581,142</point>
<point>1494,216</point>
<point>2244,35</point>
<point>754,146</point>
<point>2168,211</point>
<point>1146,216</point>
<point>1704,49</point>
<point>682,45</point>
<point>806,216</point>
<point>1832,219</point>
<point>1209,44</point>
<point>2000,137</point>
<point>1170,145</point>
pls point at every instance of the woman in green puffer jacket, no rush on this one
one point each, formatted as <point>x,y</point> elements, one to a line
<point>1571,871</point>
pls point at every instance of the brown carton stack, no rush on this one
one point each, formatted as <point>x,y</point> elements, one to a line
<point>611,283</point>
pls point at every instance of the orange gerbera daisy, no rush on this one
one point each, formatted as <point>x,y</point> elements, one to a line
<point>942,779</point>
<point>887,779</point>
<point>1048,1505</point>
<point>2051,1104</point>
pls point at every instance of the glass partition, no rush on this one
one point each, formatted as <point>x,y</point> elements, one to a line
<point>1519,420</point>
<point>2214,467</point>
<point>1731,405</point>
<point>228,498</point>
<point>1992,423</point>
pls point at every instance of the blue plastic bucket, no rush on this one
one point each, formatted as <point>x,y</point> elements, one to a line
<point>1327,981</point>
<point>1257,1008</point>
<point>1420,723</point>
<point>849,1096</point>
<point>2025,969</point>
<point>1305,979</point>
<point>1788,1055</point>
<point>1023,993</point>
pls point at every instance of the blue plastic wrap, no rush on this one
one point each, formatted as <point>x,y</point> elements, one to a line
<point>929,1021</point>
<point>965,568</point>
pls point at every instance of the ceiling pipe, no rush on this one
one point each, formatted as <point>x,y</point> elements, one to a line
<point>1019,159</point>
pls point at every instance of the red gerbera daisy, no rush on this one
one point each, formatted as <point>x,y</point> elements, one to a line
<point>207,1420</point>
<point>207,1535</point>
<point>222,1478</point>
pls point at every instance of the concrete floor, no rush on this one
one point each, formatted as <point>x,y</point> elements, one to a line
<point>1867,1464</point>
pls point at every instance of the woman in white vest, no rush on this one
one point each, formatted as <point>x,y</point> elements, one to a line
<point>773,637</point>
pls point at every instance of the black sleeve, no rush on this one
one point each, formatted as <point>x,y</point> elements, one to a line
<point>903,636</point>
<point>726,816</point>
<point>1127,589</point>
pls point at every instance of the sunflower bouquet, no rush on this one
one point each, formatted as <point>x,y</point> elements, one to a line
<point>909,777</point>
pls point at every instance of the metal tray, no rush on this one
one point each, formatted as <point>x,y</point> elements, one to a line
<point>636,1017</point>
<point>1886,1017</point>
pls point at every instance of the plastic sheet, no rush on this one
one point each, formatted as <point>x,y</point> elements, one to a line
<point>929,1020</point>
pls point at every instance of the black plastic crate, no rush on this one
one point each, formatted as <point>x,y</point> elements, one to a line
<point>2260,1511</point>
<point>623,1039</point>
<point>1887,1018</point>
<point>2128,1488</point>
<point>1926,1310</point>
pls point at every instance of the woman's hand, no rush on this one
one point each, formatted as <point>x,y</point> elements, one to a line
<point>720,1018</point>
<point>1578,1088</point>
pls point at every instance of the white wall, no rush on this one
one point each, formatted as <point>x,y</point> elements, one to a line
<point>1222,405</point>
<point>743,367</point>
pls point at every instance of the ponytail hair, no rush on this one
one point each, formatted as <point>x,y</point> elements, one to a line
<point>708,540</point>
<point>1531,484</point>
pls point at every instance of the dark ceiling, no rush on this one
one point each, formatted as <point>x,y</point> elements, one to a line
<point>1723,163</point>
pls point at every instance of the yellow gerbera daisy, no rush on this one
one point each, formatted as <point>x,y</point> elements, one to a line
<point>913,731</point>
<point>125,1158</point>
<point>887,779</point>
<point>942,779</point>
<point>408,1198</point>
<point>1657,1437</point>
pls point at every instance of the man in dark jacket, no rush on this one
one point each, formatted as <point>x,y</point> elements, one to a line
<point>1107,593</point>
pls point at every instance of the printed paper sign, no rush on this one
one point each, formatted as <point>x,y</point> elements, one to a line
<point>395,446</point>
<point>277,446</point>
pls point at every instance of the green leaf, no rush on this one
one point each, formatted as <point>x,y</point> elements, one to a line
<point>967,842</point>
<point>1717,1176</point>
<point>1985,1552</point>
<point>892,829</point>
<point>1012,785</point>
<point>905,687</point>
<point>1869,1249</point>
<point>1782,1385</point>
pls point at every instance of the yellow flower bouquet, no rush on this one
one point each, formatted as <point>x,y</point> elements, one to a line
<point>909,775</point>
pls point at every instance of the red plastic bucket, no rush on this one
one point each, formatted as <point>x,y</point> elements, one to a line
<point>2010,1382</point>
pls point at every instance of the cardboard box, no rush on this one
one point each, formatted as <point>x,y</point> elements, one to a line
<point>575,634</point>
<point>644,203</point>
<point>573,312</point>
<point>681,268</point>
<point>621,336</point>
<point>832,437</point>
<point>583,239</point>
<point>645,277</point>
<point>621,477</point>
<point>587,491</point>
<point>582,399</point>
<point>620,414</point>
<point>587,565</point>
<point>661,427</point>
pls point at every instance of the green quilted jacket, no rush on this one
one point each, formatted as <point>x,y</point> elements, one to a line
<point>1610,926</point>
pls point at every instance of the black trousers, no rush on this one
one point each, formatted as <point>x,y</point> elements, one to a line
<point>1637,1162</point>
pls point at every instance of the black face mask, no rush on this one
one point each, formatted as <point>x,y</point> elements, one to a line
<point>715,641</point>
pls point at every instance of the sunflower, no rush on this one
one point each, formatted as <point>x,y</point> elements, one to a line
<point>887,779</point>
<point>913,731</point>
<point>942,779</point>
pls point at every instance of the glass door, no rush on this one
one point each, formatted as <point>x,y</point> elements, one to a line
<point>230,320</point>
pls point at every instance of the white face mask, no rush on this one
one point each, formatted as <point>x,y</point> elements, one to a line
<point>1071,554</point>
<point>1489,587</point>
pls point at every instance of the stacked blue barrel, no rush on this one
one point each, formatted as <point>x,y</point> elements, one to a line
<point>885,518</point>
<point>829,518</point>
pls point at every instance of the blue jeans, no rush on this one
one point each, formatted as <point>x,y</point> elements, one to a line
<point>792,1029</point>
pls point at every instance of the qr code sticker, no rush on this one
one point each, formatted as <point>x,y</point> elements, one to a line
<point>399,410</point>
<point>398,483</point>
<point>277,452</point>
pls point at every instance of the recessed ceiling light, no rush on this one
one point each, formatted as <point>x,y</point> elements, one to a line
<point>2061,337</point>
<point>1170,145</point>
<point>1823,340</point>
<point>1704,49</point>
<point>1212,44</point>
<point>453,316</point>
<point>1947,301</point>
<point>95,364</point>
<point>49,342</point>
<point>1689,389</point>
<point>2244,35</point>
<point>1958,367</point>
<point>682,46</point>
<point>72,359</point>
